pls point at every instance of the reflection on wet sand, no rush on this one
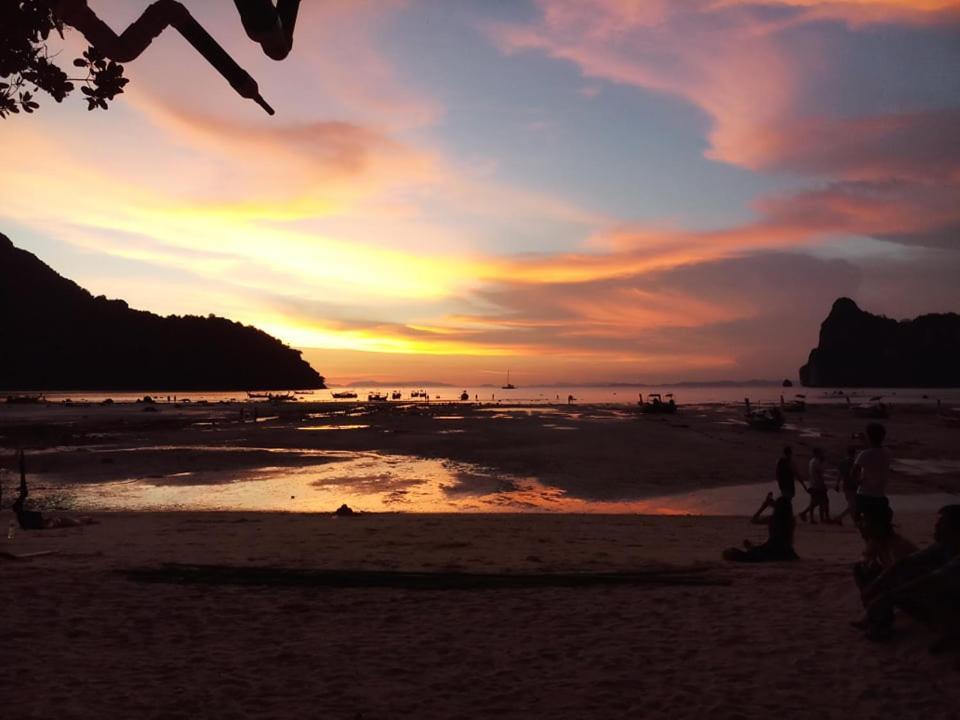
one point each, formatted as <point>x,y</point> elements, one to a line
<point>334,427</point>
<point>373,482</point>
<point>442,458</point>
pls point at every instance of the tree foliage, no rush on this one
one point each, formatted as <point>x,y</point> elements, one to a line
<point>26,66</point>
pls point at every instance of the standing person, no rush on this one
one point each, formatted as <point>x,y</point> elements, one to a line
<point>817,487</point>
<point>872,471</point>
<point>787,474</point>
<point>847,483</point>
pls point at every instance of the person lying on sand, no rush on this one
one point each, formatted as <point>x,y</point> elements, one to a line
<point>885,547</point>
<point>779,544</point>
<point>924,585</point>
<point>33,519</point>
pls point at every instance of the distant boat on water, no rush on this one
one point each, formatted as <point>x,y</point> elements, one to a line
<point>272,397</point>
<point>509,385</point>
<point>656,405</point>
<point>768,418</point>
<point>396,395</point>
<point>25,399</point>
<point>344,395</point>
<point>376,397</point>
<point>798,405</point>
<point>874,409</point>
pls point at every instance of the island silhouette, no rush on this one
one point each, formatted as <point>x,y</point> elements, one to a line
<point>58,336</point>
<point>859,349</point>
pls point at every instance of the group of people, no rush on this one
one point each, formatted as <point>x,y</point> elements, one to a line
<point>862,477</point>
<point>892,574</point>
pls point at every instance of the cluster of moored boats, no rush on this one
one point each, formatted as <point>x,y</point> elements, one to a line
<point>25,399</point>
<point>657,404</point>
<point>376,396</point>
<point>773,417</point>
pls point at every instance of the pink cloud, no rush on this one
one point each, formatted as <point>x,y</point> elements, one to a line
<point>730,59</point>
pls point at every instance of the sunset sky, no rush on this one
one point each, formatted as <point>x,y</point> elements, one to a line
<point>578,190</point>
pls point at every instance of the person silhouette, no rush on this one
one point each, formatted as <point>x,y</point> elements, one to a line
<point>33,519</point>
<point>779,544</point>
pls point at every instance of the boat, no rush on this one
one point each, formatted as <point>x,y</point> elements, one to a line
<point>655,404</point>
<point>420,394</point>
<point>396,395</point>
<point>874,409</point>
<point>509,385</point>
<point>464,396</point>
<point>769,418</point>
<point>280,397</point>
<point>25,399</point>
<point>344,395</point>
<point>258,396</point>
<point>376,397</point>
<point>951,416</point>
<point>798,405</point>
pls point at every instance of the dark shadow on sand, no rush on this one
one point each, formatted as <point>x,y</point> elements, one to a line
<point>294,577</point>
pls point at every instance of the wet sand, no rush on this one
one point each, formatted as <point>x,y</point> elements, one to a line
<point>83,638</point>
<point>575,457</point>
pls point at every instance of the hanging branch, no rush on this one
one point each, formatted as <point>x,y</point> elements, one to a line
<point>26,67</point>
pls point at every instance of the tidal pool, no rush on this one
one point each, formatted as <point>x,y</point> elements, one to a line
<point>375,482</point>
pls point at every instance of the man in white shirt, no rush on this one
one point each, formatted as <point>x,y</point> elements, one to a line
<point>872,470</point>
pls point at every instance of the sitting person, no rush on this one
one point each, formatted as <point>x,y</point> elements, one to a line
<point>779,544</point>
<point>925,585</point>
<point>885,547</point>
<point>33,519</point>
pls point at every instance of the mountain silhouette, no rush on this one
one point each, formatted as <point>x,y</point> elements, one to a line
<point>858,349</point>
<point>57,336</point>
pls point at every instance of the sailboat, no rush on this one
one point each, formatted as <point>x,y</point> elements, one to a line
<point>509,385</point>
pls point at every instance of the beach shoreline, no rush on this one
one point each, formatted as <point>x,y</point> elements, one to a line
<point>438,457</point>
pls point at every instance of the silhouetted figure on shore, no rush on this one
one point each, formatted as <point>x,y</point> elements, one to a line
<point>872,471</point>
<point>847,484</point>
<point>779,544</point>
<point>33,519</point>
<point>787,474</point>
<point>924,585</point>
<point>817,489</point>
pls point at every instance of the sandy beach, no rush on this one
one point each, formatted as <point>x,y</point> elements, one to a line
<point>566,614</point>
<point>83,639</point>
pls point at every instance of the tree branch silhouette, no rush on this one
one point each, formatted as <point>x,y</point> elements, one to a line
<point>26,67</point>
